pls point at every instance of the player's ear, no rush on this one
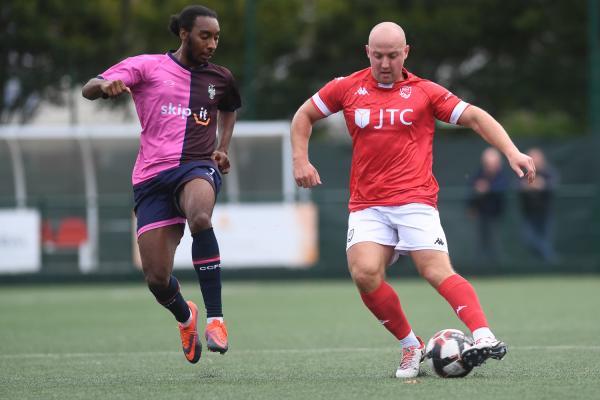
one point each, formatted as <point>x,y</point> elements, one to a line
<point>183,34</point>
<point>367,49</point>
<point>406,51</point>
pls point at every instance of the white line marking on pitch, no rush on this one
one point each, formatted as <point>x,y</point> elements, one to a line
<point>271,351</point>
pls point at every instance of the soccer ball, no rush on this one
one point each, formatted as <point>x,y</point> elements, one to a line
<point>443,353</point>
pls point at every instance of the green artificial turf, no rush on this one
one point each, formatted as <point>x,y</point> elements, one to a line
<point>292,340</point>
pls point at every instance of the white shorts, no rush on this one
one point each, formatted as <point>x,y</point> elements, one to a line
<point>409,227</point>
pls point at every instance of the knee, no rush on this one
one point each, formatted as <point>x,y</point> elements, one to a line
<point>199,221</point>
<point>429,273</point>
<point>157,278</point>
<point>436,274</point>
<point>366,277</point>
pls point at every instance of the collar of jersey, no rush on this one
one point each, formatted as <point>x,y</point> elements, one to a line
<point>383,86</point>
<point>191,69</point>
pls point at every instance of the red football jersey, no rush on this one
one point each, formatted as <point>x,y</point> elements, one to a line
<point>392,129</point>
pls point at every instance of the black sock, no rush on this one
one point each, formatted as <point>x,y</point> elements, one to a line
<point>170,297</point>
<point>207,263</point>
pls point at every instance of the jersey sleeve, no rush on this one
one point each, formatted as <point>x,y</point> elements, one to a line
<point>130,71</point>
<point>232,100</point>
<point>446,106</point>
<point>329,99</point>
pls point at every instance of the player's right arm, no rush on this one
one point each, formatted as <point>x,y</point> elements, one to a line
<point>97,87</point>
<point>305,173</point>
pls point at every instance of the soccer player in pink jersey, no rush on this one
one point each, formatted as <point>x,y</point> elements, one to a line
<point>390,114</point>
<point>181,99</point>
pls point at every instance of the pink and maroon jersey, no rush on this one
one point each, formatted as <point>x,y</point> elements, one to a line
<point>392,127</point>
<point>177,107</point>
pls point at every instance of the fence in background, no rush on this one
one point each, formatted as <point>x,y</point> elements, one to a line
<point>57,186</point>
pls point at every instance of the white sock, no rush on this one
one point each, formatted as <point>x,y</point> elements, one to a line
<point>481,333</point>
<point>211,319</point>
<point>410,340</point>
<point>188,322</point>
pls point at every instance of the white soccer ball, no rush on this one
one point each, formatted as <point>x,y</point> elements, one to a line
<point>443,353</point>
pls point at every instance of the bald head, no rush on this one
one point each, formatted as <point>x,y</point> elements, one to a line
<point>387,50</point>
<point>491,161</point>
<point>387,33</point>
<point>539,160</point>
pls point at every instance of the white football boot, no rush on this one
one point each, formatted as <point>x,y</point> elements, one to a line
<point>482,349</point>
<point>411,360</point>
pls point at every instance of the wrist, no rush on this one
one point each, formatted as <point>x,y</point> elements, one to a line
<point>300,159</point>
<point>512,152</point>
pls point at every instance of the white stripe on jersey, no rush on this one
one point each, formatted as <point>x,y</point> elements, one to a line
<point>457,112</point>
<point>320,105</point>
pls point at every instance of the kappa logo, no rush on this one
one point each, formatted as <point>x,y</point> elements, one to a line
<point>350,234</point>
<point>405,92</point>
<point>384,321</point>
<point>211,91</point>
<point>361,117</point>
<point>361,91</point>
<point>169,83</point>
<point>459,309</point>
<point>439,241</point>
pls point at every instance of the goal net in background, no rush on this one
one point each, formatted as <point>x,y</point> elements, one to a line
<point>74,185</point>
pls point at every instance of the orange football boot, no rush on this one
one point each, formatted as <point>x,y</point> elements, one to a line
<point>192,349</point>
<point>216,336</point>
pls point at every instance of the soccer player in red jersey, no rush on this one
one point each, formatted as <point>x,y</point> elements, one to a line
<point>181,98</point>
<point>390,114</point>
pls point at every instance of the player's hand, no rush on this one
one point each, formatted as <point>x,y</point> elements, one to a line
<point>306,174</point>
<point>520,162</point>
<point>114,88</point>
<point>222,160</point>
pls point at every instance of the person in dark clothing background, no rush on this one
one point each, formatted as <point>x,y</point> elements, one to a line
<point>487,204</point>
<point>536,207</point>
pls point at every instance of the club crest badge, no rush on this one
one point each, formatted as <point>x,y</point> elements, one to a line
<point>350,235</point>
<point>361,117</point>
<point>405,92</point>
<point>211,91</point>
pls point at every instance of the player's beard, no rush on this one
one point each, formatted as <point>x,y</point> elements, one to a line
<point>190,54</point>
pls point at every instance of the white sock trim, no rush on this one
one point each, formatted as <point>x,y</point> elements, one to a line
<point>188,322</point>
<point>211,319</point>
<point>410,340</point>
<point>481,333</point>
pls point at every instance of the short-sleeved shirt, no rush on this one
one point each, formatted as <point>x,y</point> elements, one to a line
<point>392,127</point>
<point>177,107</point>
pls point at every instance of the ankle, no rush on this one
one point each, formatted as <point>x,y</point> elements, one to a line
<point>188,322</point>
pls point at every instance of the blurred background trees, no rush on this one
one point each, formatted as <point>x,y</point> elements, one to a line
<point>524,61</point>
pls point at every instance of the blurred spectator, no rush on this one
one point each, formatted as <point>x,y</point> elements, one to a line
<point>487,203</point>
<point>536,206</point>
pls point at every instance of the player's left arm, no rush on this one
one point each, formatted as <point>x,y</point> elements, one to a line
<point>493,133</point>
<point>225,124</point>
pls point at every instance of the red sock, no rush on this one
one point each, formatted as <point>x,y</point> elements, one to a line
<point>385,305</point>
<point>462,297</point>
